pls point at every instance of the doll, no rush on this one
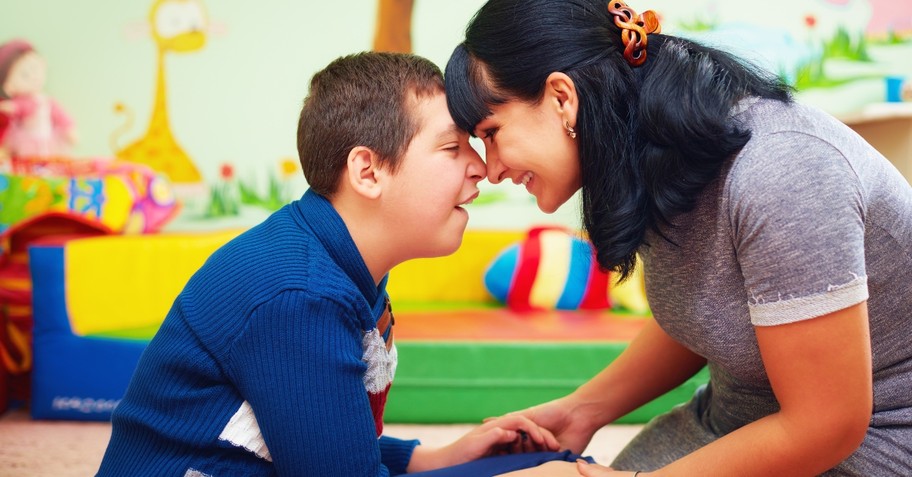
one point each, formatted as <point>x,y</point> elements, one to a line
<point>35,126</point>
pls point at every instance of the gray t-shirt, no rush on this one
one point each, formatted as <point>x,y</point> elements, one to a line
<point>807,219</point>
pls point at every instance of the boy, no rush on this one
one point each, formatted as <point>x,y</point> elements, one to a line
<point>277,356</point>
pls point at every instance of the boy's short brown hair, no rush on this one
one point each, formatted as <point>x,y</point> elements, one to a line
<point>366,99</point>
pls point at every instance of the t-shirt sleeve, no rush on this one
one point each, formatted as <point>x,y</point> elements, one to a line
<point>797,212</point>
<point>299,365</point>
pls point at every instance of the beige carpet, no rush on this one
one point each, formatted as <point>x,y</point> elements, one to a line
<point>63,448</point>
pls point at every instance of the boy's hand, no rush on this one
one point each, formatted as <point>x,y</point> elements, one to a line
<point>516,434</point>
<point>502,435</point>
<point>565,420</point>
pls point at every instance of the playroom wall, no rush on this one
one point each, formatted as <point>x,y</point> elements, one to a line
<point>235,101</point>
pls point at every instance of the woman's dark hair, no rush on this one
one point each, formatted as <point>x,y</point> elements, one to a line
<point>650,138</point>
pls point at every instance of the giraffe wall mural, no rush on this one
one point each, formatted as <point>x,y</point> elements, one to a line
<point>177,26</point>
<point>394,26</point>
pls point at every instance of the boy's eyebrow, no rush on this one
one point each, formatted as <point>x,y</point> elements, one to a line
<point>453,129</point>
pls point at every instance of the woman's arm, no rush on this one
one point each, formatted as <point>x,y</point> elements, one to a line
<point>653,364</point>
<point>820,371</point>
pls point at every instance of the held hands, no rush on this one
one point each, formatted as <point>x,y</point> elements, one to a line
<point>502,435</point>
<point>565,419</point>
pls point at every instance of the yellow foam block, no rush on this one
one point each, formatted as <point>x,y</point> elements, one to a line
<point>124,282</point>
<point>458,277</point>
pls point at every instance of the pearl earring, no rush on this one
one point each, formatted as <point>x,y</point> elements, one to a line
<point>570,131</point>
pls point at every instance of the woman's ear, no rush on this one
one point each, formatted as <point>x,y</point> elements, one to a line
<point>363,171</point>
<point>561,92</point>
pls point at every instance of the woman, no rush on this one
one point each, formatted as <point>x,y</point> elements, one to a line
<point>776,243</point>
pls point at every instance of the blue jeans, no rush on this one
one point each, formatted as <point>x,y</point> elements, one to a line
<point>491,466</point>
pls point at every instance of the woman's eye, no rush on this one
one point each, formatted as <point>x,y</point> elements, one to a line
<point>489,133</point>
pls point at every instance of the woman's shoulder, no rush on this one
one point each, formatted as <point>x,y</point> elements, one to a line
<point>786,134</point>
<point>793,142</point>
<point>768,117</point>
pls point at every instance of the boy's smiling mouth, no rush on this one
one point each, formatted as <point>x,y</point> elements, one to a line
<point>468,201</point>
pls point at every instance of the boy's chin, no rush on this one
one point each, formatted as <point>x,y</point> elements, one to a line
<point>450,249</point>
<point>446,245</point>
<point>446,240</point>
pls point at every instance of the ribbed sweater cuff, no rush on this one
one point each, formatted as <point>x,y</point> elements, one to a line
<point>396,453</point>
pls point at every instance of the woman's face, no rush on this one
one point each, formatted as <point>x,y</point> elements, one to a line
<point>529,145</point>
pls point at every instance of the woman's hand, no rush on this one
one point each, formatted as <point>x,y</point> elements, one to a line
<point>564,418</point>
<point>502,435</point>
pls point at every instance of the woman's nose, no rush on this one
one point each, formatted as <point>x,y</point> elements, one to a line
<point>495,168</point>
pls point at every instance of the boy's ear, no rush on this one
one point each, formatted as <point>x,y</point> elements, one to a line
<point>363,170</point>
<point>561,91</point>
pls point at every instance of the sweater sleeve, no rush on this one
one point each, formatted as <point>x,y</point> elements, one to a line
<point>396,453</point>
<point>299,365</point>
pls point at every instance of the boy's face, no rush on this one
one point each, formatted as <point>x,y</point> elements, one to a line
<point>438,173</point>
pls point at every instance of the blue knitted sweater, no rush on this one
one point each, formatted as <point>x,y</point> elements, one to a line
<point>267,363</point>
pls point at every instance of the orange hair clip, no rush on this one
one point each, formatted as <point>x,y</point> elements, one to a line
<point>634,29</point>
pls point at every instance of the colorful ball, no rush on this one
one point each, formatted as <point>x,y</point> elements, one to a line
<point>550,269</point>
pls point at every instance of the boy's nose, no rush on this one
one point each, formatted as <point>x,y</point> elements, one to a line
<point>476,167</point>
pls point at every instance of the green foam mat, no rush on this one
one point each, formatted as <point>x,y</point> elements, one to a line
<point>464,382</point>
<point>446,382</point>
